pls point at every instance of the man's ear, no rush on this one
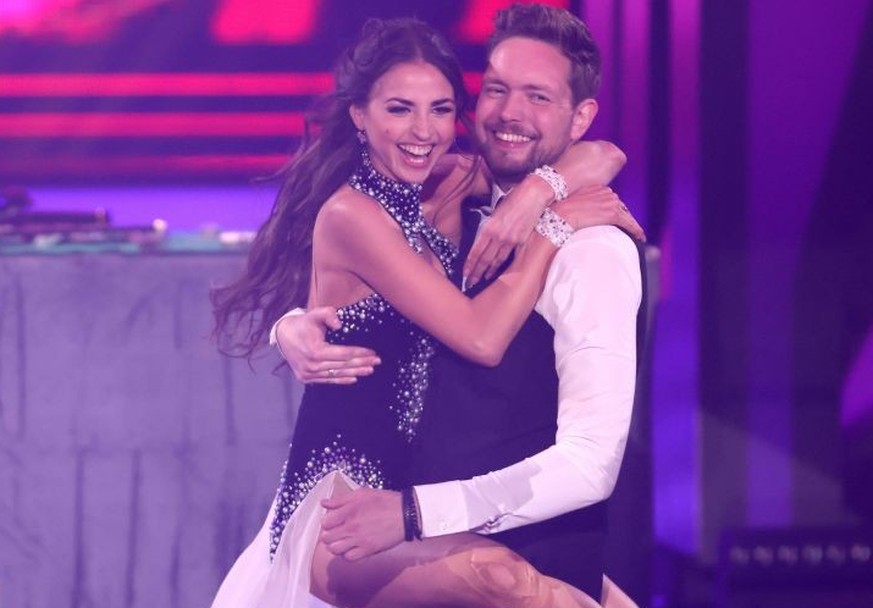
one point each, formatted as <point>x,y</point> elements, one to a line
<point>583,116</point>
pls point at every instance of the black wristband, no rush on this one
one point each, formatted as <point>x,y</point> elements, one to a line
<point>411,527</point>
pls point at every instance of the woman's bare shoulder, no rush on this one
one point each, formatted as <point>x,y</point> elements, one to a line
<point>347,204</point>
<point>350,216</point>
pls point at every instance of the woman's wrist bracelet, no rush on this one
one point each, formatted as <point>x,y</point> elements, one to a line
<point>553,179</point>
<point>553,227</point>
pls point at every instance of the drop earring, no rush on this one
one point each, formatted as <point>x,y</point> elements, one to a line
<point>362,136</point>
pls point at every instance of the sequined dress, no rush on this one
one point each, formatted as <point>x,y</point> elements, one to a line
<point>362,430</point>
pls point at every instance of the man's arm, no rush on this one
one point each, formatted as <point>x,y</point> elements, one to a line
<point>592,295</point>
<point>591,299</point>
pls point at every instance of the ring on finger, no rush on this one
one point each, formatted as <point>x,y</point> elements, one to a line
<point>331,373</point>
<point>624,208</point>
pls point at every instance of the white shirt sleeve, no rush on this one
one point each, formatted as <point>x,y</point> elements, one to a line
<point>274,328</point>
<point>591,297</point>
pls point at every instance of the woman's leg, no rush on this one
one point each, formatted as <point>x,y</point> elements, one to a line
<point>463,570</point>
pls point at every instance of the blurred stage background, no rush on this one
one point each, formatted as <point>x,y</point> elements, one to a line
<point>135,462</point>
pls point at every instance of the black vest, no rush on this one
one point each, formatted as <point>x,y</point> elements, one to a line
<point>481,419</point>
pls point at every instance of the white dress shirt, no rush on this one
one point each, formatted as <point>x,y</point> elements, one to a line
<point>591,297</point>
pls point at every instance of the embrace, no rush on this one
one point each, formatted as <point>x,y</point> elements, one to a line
<point>470,334</point>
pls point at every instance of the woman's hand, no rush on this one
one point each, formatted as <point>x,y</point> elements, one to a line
<point>509,226</point>
<point>582,165</point>
<point>598,206</point>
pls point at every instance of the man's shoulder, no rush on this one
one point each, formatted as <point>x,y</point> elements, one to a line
<point>604,262</point>
<point>597,253</point>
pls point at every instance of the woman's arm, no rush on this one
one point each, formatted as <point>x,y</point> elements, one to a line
<point>585,164</point>
<point>353,234</point>
<point>454,178</point>
<point>301,338</point>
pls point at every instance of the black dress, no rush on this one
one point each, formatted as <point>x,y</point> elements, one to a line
<point>365,429</point>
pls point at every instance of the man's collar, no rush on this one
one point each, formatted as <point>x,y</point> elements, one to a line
<point>496,194</point>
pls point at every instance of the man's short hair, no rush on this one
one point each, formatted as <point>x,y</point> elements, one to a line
<point>561,29</point>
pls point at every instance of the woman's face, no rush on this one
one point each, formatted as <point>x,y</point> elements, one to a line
<point>409,120</point>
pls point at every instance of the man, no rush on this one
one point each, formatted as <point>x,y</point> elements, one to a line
<point>538,489</point>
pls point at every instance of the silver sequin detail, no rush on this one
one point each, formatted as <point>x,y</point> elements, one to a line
<point>403,202</point>
<point>294,488</point>
<point>413,371</point>
<point>411,385</point>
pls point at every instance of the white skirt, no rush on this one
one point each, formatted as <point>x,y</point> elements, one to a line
<point>256,582</point>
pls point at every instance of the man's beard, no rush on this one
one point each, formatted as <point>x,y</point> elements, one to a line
<point>508,174</point>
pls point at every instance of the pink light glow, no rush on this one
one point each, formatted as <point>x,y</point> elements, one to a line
<point>476,24</point>
<point>22,11</point>
<point>162,84</point>
<point>74,21</point>
<point>139,124</point>
<point>273,22</point>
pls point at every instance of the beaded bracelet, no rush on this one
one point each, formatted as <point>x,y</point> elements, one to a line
<point>411,527</point>
<point>553,227</point>
<point>553,179</point>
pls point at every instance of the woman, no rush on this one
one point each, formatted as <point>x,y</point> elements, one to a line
<point>348,230</point>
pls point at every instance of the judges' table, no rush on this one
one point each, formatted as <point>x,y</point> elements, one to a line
<point>135,461</point>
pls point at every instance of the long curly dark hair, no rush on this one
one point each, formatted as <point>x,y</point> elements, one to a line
<point>278,269</point>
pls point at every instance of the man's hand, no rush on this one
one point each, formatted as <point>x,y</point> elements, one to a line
<point>361,523</point>
<point>301,342</point>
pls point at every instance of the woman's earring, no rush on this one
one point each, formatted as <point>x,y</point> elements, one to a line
<point>362,136</point>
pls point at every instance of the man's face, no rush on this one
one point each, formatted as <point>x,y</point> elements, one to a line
<point>525,116</point>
